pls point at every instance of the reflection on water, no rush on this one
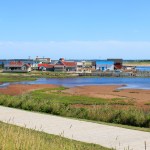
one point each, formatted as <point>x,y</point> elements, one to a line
<point>136,83</point>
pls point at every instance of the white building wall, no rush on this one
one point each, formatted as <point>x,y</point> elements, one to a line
<point>105,67</point>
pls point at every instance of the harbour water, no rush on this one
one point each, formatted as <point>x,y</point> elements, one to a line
<point>143,68</point>
<point>130,83</point>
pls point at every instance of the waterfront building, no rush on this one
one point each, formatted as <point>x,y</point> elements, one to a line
<point>118,63</point>
<point>46,67</point>
<point>15,66</point>
<point>104,65</point>
<point>63,65</point>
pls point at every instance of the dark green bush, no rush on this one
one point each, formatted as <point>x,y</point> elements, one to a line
<point>52,105</point>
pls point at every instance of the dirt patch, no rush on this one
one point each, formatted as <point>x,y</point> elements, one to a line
<point>95,91</point>
<point>139,97</point>
<point>18,89</point>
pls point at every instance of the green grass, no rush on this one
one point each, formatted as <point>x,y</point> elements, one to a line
<point>15,78</point>
<point>50,74</point>
<point>118,125</point>
<point>56,95</point>
<point>18,138</point>
<point>54,101</point>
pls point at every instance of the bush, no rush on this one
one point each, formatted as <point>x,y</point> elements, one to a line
<point>53,105</point>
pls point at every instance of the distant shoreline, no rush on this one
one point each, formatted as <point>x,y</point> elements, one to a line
<point>137,64</point>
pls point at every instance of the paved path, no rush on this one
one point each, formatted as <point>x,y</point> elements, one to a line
<point>104,135</point>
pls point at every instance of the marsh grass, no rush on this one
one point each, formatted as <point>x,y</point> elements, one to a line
<point>148,103</point>
<point>18,138</point>
<point>54,101</point>
<point>134,92</point>
<point>57,95</point>
<point>15,78</point>
<point>31,76</point>
<point>116,90</point>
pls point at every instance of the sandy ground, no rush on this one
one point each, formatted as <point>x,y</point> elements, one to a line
<point>140,97</point>
<point>104,135</point>
<point>17,89</point>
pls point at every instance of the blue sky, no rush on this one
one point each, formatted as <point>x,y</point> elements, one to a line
<point>83,29</point>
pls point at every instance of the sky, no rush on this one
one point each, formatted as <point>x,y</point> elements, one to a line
<point>75,29</point>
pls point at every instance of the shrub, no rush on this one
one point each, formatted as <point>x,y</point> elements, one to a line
<point>59,104</point>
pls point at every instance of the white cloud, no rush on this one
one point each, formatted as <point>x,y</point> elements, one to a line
<point>76,49</point>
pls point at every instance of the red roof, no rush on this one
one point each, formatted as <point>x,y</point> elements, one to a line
<point>46,65</point>
<point>69,64</point>
<point>28,65</point>
<point>16,64</point>
<point>59,66</point>
<point>64,63</point>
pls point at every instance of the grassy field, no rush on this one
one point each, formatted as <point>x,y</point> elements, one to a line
<point>135,63</point>
<point>9,77</point>
<point>17,138</point>
<point>56,95</point>
<point>55,101</point>
<point>16,77</point>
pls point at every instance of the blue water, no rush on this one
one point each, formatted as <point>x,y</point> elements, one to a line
<point>143,68</point>
<point>130,83</point>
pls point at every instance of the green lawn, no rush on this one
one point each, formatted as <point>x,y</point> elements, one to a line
<point>18,138</point>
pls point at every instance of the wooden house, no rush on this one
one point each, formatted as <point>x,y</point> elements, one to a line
<point>17,67</point>
<point>63,65</point>
<point>46,67</point>
<point>38,61</point>
<point>80,66</point>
